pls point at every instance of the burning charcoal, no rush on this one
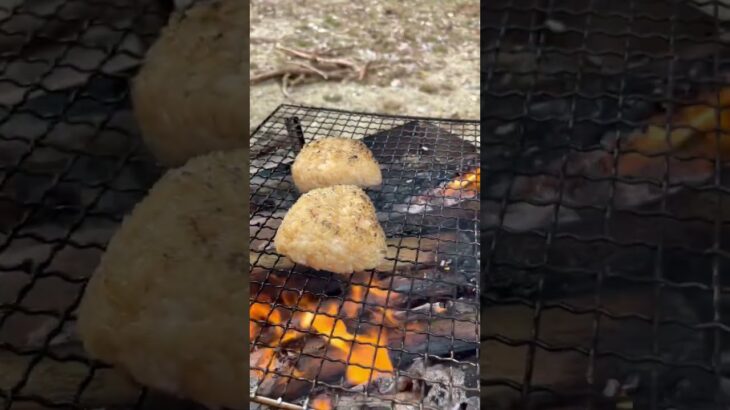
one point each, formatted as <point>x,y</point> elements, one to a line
<point>368,301</point>
<point>440,338</point>
<point>286,367</point>
<point>385,385</point>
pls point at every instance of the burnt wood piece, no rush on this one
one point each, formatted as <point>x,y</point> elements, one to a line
<point>415,158</point>
<point>292,370</point>
<point>439,339</point>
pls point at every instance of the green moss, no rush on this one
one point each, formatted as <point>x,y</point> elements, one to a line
<point>331,22</point>
<point>429,87</point>
<point>303,42</point>
<point>333,98</point>
<point>440,49</point>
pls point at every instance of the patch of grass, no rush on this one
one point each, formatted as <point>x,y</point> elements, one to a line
<point>331,22</point>
<point>303,42</point>
<point>440,48</point>
<point>429,87</point>
<point>333,98</point>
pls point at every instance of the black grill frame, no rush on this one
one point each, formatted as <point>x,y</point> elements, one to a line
<point>316,123</point>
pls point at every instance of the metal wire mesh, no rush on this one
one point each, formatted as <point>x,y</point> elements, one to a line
<point>71,166</point>
<point>414,286</point>
<point>604,276</point>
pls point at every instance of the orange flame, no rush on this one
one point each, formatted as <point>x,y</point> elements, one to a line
<point>322,403</point>
<point>466,184</point>
<point>364,348</point>
<point>687,122</point>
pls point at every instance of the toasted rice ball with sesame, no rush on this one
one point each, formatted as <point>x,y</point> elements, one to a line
<point>333,229</point>
<point>335,161</point>
<point>190,90</point>
<point>167,303</point>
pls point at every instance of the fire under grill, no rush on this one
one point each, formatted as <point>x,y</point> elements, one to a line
<point>404,335</point>
<point>605,205</point>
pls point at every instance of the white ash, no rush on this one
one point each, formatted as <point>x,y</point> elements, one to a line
<point>446,385</point>
<point>556,26</point>
<point>505,129</point>
<point>425,309</point>
<point>612,388</point>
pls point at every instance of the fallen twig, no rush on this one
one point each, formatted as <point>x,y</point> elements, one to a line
<point>363,71</point>
<point>284,84</point>
<point>316,58</point>
<point>314,68</point>
<point>270,75</point>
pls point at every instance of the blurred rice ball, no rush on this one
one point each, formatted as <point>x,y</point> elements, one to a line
<point>189,94</point>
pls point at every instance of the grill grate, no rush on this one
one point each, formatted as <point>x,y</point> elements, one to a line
<point>71,166</point>
<point>604,276</point>
<point>414,286</point>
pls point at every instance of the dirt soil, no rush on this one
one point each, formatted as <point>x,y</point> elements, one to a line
<point>424,54</point>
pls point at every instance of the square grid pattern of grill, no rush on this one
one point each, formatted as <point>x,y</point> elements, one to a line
<point>71,166</point>
<point>419,309</point>
<point>604,212</point>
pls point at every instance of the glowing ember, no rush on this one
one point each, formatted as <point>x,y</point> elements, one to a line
<point>321,403</point>
<point>467,183</point>
<point>454,192</point>
<point>686,123</point>
<point>357,328</point>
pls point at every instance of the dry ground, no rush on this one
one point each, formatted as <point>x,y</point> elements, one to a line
<point>424,54</point>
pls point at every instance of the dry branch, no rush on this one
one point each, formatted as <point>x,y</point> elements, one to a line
<point>314,67</point>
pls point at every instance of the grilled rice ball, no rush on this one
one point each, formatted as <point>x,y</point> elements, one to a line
<point>188,95</point>
<point>335,161</point>
<point>167,303</point>
<point>333,229</point>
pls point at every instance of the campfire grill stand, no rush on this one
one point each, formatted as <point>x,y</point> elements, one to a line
<point>276,139</point>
